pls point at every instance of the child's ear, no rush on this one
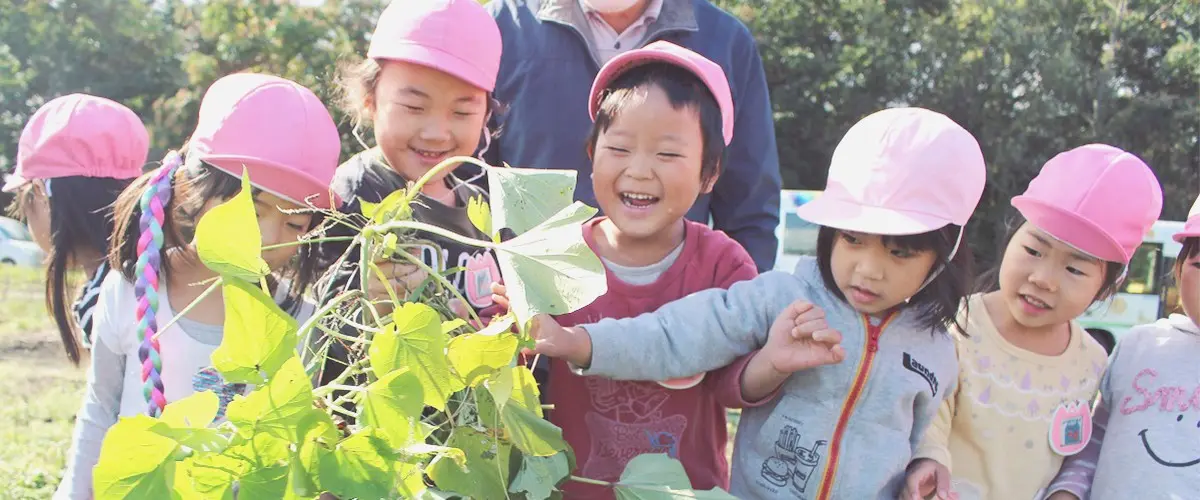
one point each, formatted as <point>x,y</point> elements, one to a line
<point>708,185</point>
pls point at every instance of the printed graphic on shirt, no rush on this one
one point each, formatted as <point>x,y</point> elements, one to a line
<point>916,367</point>
<point>793,465</point>
<point>628,421</point>
<point>209,379</point>
<point>476,272</point>
<point>1070,428</point>
<point>1179,404</point>
<point>1173,436</point>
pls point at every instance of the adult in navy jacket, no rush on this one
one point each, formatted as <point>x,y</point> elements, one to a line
<point>546,70</point>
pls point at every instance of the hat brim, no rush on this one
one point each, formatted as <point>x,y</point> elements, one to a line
<point>1185,234</point>
<point>279,180</point>
<point>851,216</point>
<point>1071,229</point>
<point>433,58</point>
<point>12,182</point>
<point>632,59</point>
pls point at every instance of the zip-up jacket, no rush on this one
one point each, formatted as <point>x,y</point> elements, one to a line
<point>546,71</point>
<point>838,431</point>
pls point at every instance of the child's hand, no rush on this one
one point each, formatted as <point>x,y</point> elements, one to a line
<point>572,344</point>
<point>800,339</point>
<point>927,476</point>
<point>1062,495</point>
<point>403,278</point>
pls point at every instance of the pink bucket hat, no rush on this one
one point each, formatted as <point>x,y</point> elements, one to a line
<point>458,37</point>
<point>1096,198</point>
<point>1191,228</point>
<point>80,135</point>
<point>277,129</point>
<point>901,171</point>
<point>666,52</point>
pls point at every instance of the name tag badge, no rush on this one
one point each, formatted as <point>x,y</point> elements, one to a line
<point>1070,428</point>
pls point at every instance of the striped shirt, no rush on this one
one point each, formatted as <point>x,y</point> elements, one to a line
<point>86,303</point>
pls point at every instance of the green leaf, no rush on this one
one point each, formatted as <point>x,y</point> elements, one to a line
<point>538,477</point>
<point>486,471</point>
<point>202,439</point>
<point>135,462</point>
<point>448,327</point>
<point>259,336</point>
<point>480,214</point>
<point>415,340</point>
<point>360,467</point>
<point>520,414</point>
<point>525,390</point>
<point>454,454</point>
<point>550,269</point>
<point>393,405</point>
<point>394,206</point>
<point>267,482</point>
<point>228,240</point>
<point>277,407</point>
<point>656,476</point>
<point>197,410</point>
<point>531,433</point>
<point>475,357</point>
<point>210,476</point>
<point>524,197</point>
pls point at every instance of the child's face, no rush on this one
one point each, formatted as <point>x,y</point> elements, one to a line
<point>423,116</point>
<point>1045,282</point>
<point>646,166</point>
<point>875,277</point>
<point>275,226</point>
<point>1189,287</point>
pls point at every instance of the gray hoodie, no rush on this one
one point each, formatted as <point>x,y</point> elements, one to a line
<point>838,431</point>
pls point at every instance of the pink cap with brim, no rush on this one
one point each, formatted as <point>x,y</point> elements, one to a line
<point>1097,198</point>
<point>666,52</point>
<point>458,37</point>
<point>80,135</point>
<point>1191,228</point>
<point>276,129</point>
<point>901,171</point>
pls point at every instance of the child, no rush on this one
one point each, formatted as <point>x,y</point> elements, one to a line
<point>285,139</point>
<point>889,274</point>
<point>88,148</point>
<point>1144,440</point>
<point>663,117</point>
<point>425,88</point>
<point>1028,370</point>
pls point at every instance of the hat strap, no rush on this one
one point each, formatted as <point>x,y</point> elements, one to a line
<point>941,266</point>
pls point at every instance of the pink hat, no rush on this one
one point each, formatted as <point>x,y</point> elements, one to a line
<point>901,171</point>
<point>277,129</point>
<point>1191,228</point>
<point>666,52</point>
<point>1096,198</point>
<point>458,37</point>
<point>80,135</point>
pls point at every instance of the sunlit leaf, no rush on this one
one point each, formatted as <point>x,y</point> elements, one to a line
<point>476,357</point>
<point>524,197</point>
<point>196,410</point>
<point>360,467</point>
<point>480,214</point>
<point>393,405</point>
<point>520,414</point>
<point>135,462</point>
<point>454,454</point>
<point>228,240</point>
<point>550,269</point>
<point>277,407</point>
<point>486,466</point>
<point>539,476</point>
<point>415,340</point>
<point>265,482</point>
<point>258,337</point>
<point>656,476</point>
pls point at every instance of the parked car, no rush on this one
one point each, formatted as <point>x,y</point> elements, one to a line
<point>16,245</point>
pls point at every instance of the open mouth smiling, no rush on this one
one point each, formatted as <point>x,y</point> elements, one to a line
<point>1160,460</point>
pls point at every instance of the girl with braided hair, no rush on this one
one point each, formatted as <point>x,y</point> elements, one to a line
<point>284,138</point>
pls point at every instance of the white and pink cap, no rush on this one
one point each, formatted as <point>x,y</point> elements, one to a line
<point>457,37</point>
<point>277,129</point>
<point>80,135</point>
<point>1191,228</point>
<point>901,171</point>
<point>1097,198</point>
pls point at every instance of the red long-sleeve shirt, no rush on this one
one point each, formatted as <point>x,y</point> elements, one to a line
<point>608,422</point>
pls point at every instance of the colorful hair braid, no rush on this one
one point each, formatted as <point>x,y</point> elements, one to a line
<point>146,288</point>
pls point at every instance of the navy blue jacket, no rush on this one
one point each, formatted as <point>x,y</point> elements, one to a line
<point>546,71</point>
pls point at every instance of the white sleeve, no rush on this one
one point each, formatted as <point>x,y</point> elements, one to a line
<point>105,383</point>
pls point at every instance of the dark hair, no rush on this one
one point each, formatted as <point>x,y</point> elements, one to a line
<point>194,184</point>
<point>80,223</point>
<point>990,281</point>
<point>684,90</point>
<point>937,303</point>
<point>1191,247</point>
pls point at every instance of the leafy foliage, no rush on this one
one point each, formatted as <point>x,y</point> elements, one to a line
<point>436,408</point>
